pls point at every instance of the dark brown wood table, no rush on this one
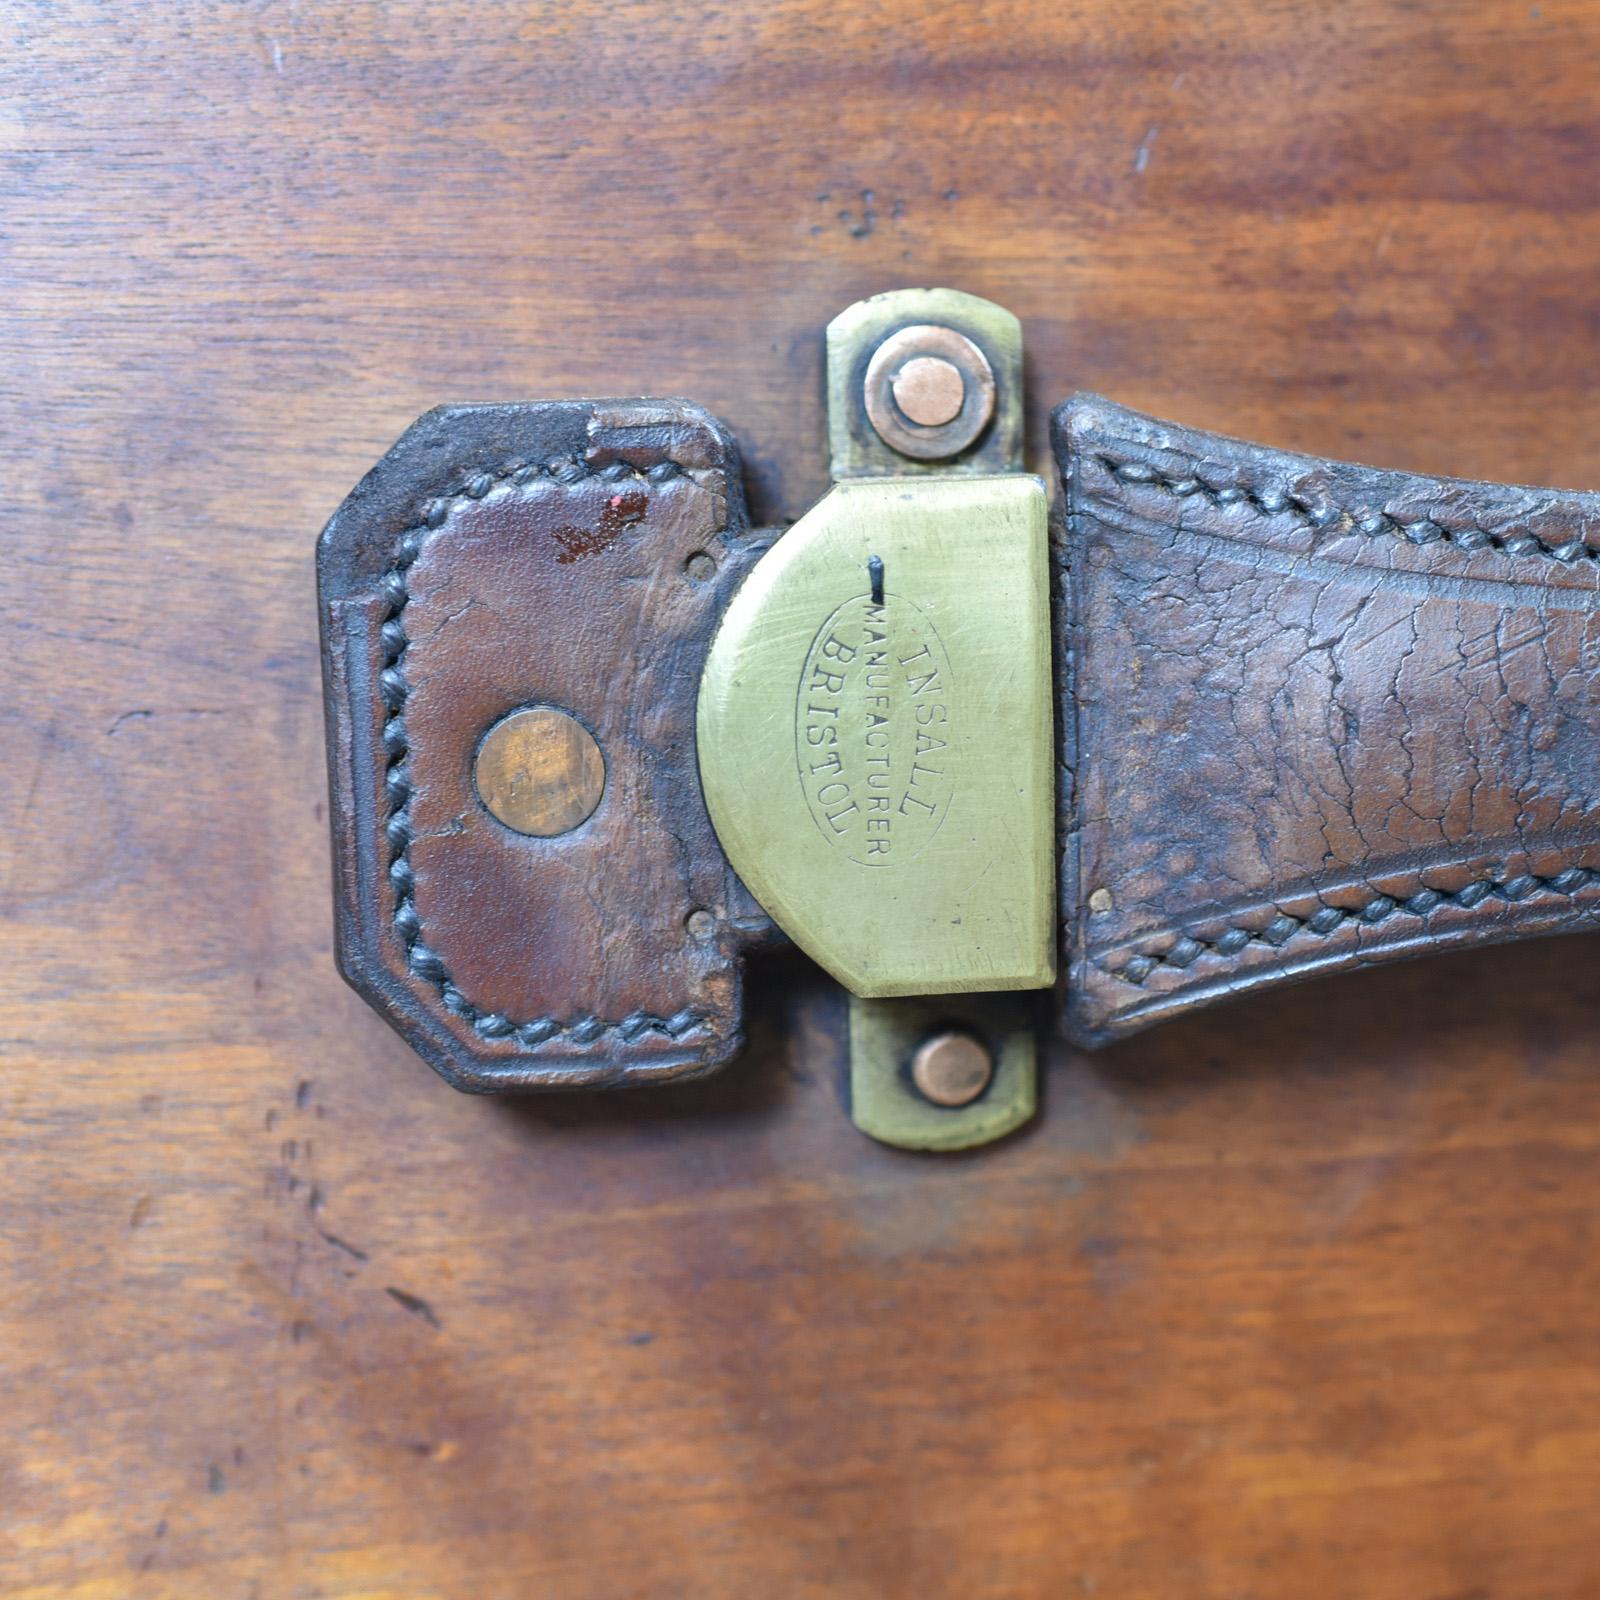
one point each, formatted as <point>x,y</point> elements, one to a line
<point>1300,1298</point>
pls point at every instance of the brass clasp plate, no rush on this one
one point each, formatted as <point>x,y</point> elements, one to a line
<point>875,735</point>
<point>875,731</point>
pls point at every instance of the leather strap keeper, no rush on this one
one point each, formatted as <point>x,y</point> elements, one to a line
<point>574,556</point>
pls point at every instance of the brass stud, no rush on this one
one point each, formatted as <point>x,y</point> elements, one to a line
<point>951,1069</point>
<point>539,771</point>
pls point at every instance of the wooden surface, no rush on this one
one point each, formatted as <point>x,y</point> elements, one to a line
<point>1299,1298</point>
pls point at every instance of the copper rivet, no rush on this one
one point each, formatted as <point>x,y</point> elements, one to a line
<point>701,925</point>
<point>951,1069</point>
<point>930,391</point>
<point>700,567</point>
<point>540,772</point>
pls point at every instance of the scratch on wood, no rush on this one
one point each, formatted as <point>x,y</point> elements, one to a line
<point>415,1304</point>
<point>343,1244</point>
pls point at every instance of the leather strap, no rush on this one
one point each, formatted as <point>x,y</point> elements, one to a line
<point>574,556</point>
<point>1314,716</point>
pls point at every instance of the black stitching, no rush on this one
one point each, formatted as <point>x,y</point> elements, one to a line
<point>393,689</point>
<point>1319,515</point>
<point>1187,948</point>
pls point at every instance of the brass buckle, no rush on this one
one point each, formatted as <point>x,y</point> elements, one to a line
<point>876,738</point>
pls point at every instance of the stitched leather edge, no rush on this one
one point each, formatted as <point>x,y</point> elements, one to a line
<point>1326,515</point>
<point>423,962</point>
<point>1188,946</point>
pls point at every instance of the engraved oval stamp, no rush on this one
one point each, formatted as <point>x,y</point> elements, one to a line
<point>873,730</point>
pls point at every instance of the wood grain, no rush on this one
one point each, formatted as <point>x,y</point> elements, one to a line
<point>1296,1299</point>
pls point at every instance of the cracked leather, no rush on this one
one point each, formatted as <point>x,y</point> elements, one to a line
<point>575,555</point>
<point>1314,716</point>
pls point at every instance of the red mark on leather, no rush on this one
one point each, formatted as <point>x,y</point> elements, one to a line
<point>621,511</point>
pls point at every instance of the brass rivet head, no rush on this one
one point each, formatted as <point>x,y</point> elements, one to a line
<point>951,1069</point>
<point>929,391</point>
<point>539,771</point>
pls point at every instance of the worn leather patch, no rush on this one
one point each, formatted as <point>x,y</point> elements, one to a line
<point>1314,715</point>
<point>572,556</point>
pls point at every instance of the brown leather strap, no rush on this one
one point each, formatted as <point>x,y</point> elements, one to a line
<point>1314,715</point>
<point>573,556</point>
